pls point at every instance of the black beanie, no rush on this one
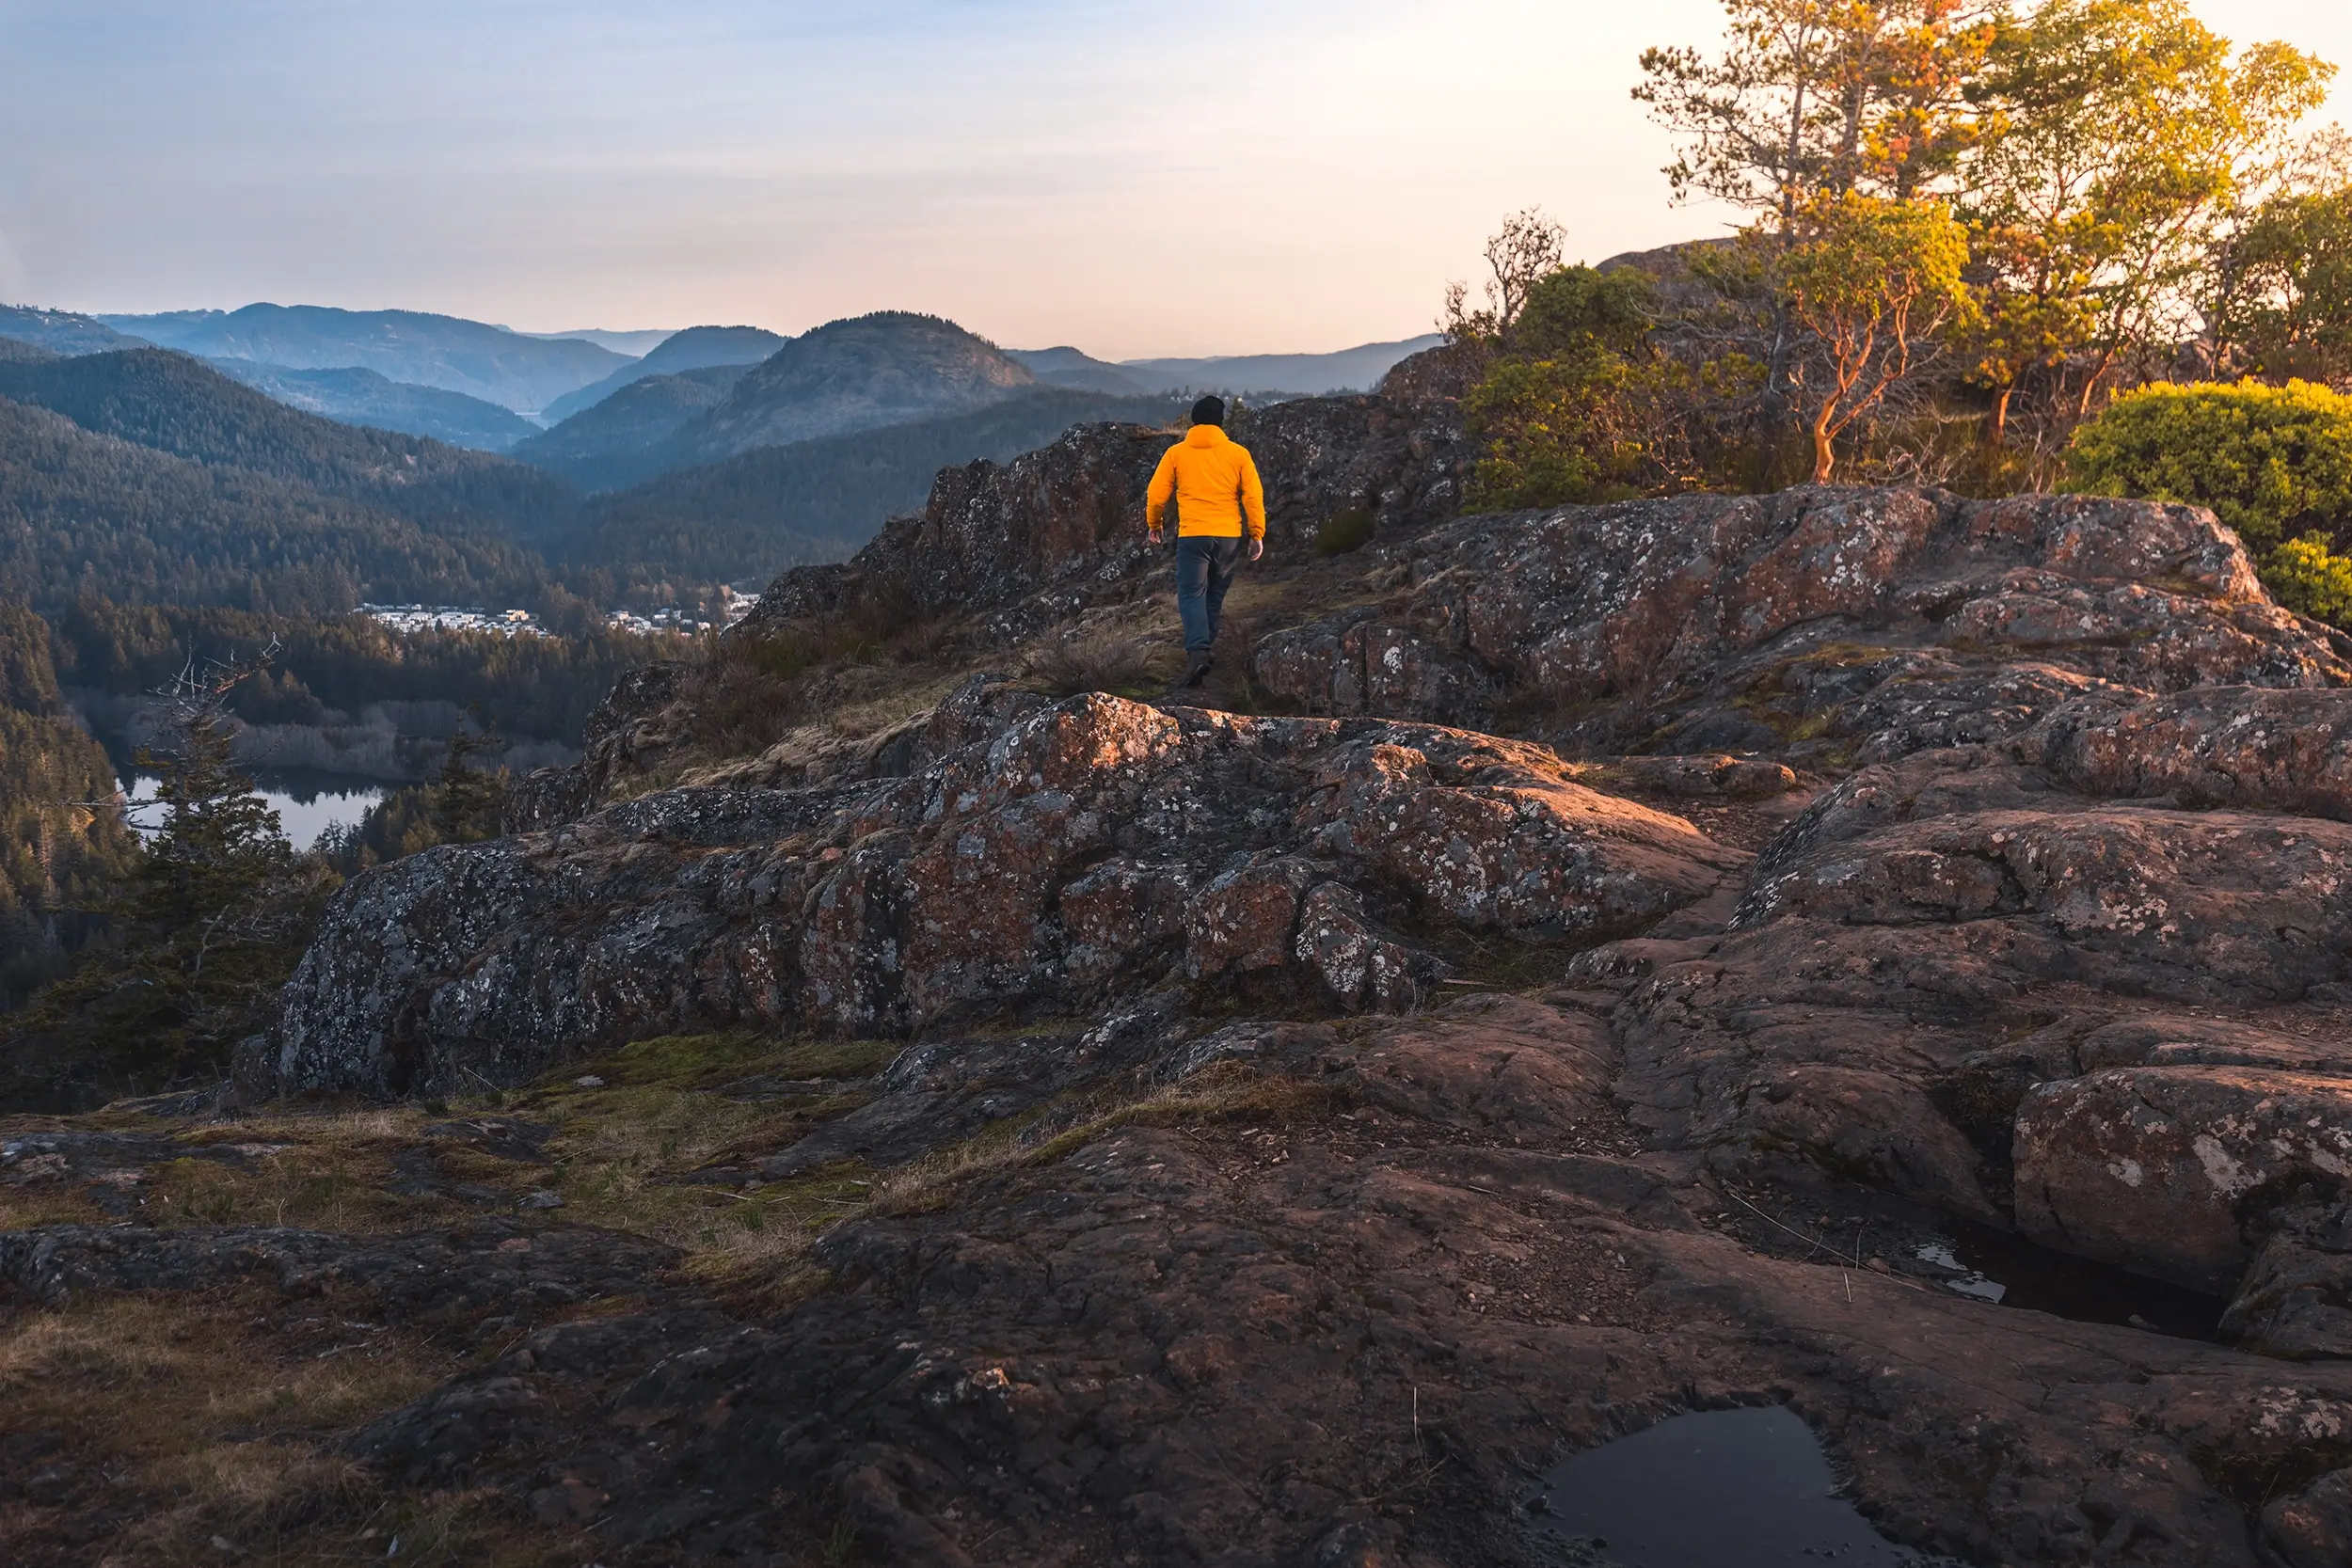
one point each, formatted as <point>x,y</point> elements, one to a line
<point>1209,411</point>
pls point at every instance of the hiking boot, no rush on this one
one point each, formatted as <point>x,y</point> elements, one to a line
<point>1196,670</point>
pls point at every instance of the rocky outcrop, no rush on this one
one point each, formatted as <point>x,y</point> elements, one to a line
<point>1037,539</point>
<point>1326,1116</point>
<point>2162,1168</point>
<point>1824,626</point>
<point>1092,848</point>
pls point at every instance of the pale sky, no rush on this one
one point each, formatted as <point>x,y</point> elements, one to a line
<point>1213,177</point>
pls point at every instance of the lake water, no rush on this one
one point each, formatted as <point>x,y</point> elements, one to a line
<point>307,804</point>
<point>1716,1489</point>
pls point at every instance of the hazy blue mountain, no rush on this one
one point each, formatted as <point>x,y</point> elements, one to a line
<point>1066,367</point>
<point>749,516</point>
<point>1353,369</point>
<point>362,397</point>
<point>61,331</point>
<point>632,343</point>
<point>696,348</point>
<point>620,440</point>
<point>175,404</point>
<point>524,375</point>
<point>890,368</point>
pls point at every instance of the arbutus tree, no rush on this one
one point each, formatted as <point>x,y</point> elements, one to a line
<point>2121,131</point>
<point>1871,283</point>
<point>1810,99</point>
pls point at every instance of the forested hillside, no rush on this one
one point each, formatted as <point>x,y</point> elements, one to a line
<point>82,512</point>
<point>889,367</point>
<point>619,440</point>
<point>362,397</point>
<point>696,348</point>
<point>59,854</point>
<point>526,688</point>
<point>176,404</point>
<point>752,515</point>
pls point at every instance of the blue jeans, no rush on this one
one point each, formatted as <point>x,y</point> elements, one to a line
<point>1204,570</point>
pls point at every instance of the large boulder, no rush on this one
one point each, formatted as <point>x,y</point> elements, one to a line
<point>1094,845</point>
<point>2164,1170</point>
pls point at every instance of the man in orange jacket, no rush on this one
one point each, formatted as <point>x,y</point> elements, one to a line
<point>1216,492</point>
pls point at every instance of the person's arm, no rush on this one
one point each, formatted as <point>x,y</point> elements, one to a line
<point>1253,505</point>
<point>1163,486</point>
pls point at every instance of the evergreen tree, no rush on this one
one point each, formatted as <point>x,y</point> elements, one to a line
<point>470,800</point>
<point>210,925</point>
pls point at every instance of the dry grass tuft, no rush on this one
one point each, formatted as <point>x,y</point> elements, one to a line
<point>1122,664</point>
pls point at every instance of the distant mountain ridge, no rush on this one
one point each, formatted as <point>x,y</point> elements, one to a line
<point>624,438</point>
<point>361,397</point>
<point>696,348</point>
<point>519,374</point>
<point>62,331</point>
<point>1079,371</point>
<point>1357,368</point>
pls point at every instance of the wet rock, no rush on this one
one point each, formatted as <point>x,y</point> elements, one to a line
<point>2163,1169</point>
<point>1096,846</point>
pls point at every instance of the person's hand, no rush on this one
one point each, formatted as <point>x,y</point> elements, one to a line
<point>1257,548</point>
<point>1156,539</point>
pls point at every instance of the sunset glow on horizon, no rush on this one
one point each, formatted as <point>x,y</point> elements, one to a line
<point>1294,176</point>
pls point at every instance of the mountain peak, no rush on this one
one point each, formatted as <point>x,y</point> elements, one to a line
<point>889,367</point>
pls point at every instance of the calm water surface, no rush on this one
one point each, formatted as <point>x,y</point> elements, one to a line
<point>307,804</point>
<point>1715,1489</point>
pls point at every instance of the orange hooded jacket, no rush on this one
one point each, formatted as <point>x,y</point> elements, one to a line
<point>1214,483</point>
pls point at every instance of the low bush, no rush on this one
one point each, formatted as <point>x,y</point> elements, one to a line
<point>2311,580</point>
<point>2272,462</point>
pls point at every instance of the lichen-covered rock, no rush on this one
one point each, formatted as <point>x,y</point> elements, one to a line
<point>2314,1527</point>
<point>2210,746</point>
<point>2295,1300</point>
<point>2165,1169</point>
<point>1091,845</point>
<point>1816,623</point>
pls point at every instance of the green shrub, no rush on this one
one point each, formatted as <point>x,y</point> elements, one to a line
<point>2307,576</point>
<point>1564,411</point>
<point>2270,461</point>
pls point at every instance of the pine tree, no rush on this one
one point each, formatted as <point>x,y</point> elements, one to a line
<point>210,925</point>
<point>468,801</point>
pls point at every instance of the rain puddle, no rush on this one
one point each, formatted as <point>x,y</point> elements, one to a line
<point>1991,1265</point>
<point>1747,1488</point>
